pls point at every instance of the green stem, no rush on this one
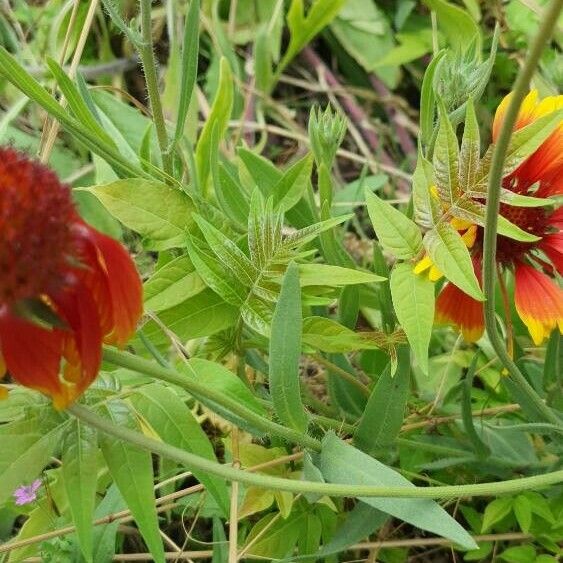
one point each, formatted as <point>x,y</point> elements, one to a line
<point>129,361</point>
<point>520,89</point>
<point>146,52</point>
<point>264,481</point>
<point>342,373</point>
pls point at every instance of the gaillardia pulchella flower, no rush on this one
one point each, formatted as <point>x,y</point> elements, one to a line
<point>65,288</point>
<point>535,265</point>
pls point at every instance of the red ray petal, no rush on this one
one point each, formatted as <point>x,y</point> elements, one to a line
<point>33,355</point>
<point>552,245</point>
<point>82,346</point>
<point>539,302</point>
<point>455,307</point>
<point>115,283</point>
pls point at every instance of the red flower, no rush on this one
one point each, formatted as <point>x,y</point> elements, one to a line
<point>538,299</point>
<point>64,287</point>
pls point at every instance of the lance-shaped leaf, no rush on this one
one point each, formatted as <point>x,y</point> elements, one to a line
<point>385,410</point>
<point>131,469</point>
<point>449,253</point>
<point>446,159</point>
<point>80,476</point>
<point>342,463</point>
<point>159,213</point>
<point>285,352</point>
<point>397,233</point>
<point>228,253</point>
<point>172,284</point>
<point>170,418</point>
<point>217,120</point>
<point>326,274</point>
<point>211,270</point>
<point>413,300</point>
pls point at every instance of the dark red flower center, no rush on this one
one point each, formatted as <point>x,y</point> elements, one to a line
<point>36,212</point>
<point>533,220</point>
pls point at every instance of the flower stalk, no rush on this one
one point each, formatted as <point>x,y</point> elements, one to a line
<point>520,89</point>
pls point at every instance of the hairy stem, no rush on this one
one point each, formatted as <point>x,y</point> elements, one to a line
<point>146,52</point>
<point>520,89</point>
<point>331,489</point>
<point>198,389</point>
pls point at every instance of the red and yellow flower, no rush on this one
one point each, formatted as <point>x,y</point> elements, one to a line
<point>538,298</point>
<point>65,288</point>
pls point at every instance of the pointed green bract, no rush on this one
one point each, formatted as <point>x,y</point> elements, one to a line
<point>449,253</point>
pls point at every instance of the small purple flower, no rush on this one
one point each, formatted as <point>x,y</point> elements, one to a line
<point>27,493</point>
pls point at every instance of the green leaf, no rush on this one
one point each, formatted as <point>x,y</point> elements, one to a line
<point>344,464</point>
<point>362,521</point>
<point>203,314</point>
<point>449,253</point>
<point>21,79</point>
<point>80,476</point>
<point>385,410</point>
<point>219,118</point>
<point>221,379</point>
<point>523,512</point>
<point>172,284</point>
<point>263,60</point>
<point>104,535</point>
<point>131,469</point>
<point>363,30</point>
<point>228,253</point>
<point>190,50</point>
<point>528,139</point>
<point>495,512</point>
<point>413,300</point>
<point>333,276</point>
<point>280,539</point>
<point>519,554</point>
<point>303,28</point>
<point>329,336</point>
<point>397,233</point>
<point>481,449</point>
<point>26,447</point>
<point>77,103</point>
<point>159,213</point>
<point>231,196</point>
<point>285,352</point>
<point>211,270</point>
<point>458,26</point>
<point>171,419</point>
<point>446,159</point>
<point>292,185</point>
